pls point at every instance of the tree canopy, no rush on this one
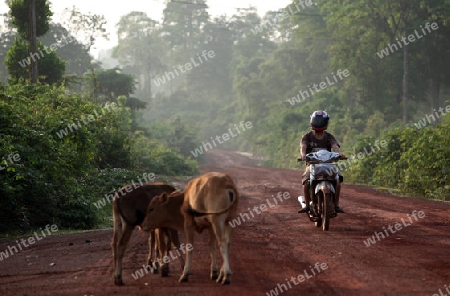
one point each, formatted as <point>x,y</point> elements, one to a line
<point>380,68</point>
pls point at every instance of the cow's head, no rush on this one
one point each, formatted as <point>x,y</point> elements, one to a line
<point>164,211</point>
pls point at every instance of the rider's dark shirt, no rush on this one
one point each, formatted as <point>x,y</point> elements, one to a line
<point>312,142</point>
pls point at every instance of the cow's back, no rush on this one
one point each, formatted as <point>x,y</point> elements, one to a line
<point>211,193</point>
<point>133,205</point>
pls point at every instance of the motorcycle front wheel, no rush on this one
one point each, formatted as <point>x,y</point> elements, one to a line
<point>318,223</point>
<point>326,207</point>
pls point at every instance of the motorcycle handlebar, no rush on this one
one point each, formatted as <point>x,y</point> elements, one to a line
<point>299,159</point>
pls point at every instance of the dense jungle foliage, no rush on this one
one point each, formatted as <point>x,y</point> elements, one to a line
<point>183,81</point>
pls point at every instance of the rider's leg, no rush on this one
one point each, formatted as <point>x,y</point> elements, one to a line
<point>338,193</point>
<point>306,192</point>
<point>305,181</point>
<point>307,198</point>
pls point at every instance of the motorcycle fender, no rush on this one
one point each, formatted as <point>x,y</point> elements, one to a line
<point>325,186</point>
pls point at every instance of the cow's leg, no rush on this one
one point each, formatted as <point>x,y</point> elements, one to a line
<point>223,233</point>
<point>115,245</point>
<point>168,245</point>
<point>153,253</point>
<point>163,250</point>
<point>212,251</point>
<point>189,231</point>
<point>173,235</point>
<point>123,241</point>
<point>158,251</point>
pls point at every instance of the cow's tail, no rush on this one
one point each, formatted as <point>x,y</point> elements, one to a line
<point>232,195</point>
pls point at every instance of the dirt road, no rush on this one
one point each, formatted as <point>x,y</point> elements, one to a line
<point>276,250</point>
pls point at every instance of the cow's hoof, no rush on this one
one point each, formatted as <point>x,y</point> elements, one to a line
<point>183,279</point>
<point>226,282</point>
<point>118,281</point>
<point>214,275</point>
<point>164,272</point>
<point>224,278</point>
<point>220,277</point>
<point>152,269</point>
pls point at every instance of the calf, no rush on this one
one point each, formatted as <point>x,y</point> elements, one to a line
<point>129,211</point>
<point>208,202</point>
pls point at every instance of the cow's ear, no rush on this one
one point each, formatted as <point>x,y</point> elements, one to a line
<point>163,197</point>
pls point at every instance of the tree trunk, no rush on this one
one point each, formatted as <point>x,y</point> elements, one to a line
<point>434,94</point>
<point>434,81</point>
<point>148,79</point>
<point>32,44</point>
<point>189,12</point>
<point>405,77</point>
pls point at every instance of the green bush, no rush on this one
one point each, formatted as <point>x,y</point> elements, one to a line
<point>60,172</point>
<point>77,214</point>
<point>428,162</point>
<point>151,155</point>
<point>415,161</point>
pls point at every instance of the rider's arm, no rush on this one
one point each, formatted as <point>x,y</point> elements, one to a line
<point>336,148</point>
<point>303,146</point>
<point>335,145</point>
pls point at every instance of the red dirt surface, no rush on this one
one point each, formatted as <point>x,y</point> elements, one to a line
<point>266,251</point>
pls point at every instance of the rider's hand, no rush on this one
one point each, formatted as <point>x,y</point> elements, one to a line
<point>342,156</point>
<point>303,157</point>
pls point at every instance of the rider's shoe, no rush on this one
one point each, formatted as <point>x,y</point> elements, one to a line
<point>338,209</point>
<point>304,210</point>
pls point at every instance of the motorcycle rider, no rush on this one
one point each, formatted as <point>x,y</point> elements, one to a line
<point>315,140</point>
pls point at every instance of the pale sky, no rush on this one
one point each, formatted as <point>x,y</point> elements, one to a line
<point>113,10</point>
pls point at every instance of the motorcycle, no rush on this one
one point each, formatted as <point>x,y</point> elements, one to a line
<point>322,181</point>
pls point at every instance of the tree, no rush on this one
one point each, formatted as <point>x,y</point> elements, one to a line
<point>31,18</point>
<point>73,52</point>
<point>212,77</point>
<point>182,26</point>
<point>6,41</point>
<point>140,49</point>
<point>19,11</point>
<point>51,67</point>
<point>392,73</point>
<point>183,22</point>
<point>112,84</point>
<point>85,27</point>
<point>436,54</point>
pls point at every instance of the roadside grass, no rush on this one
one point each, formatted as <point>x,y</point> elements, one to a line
<point>13,235</point>
<point>106,220</point>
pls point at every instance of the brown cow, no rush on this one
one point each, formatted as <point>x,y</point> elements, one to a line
<point>129,211</point>
<point>209,201</point>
